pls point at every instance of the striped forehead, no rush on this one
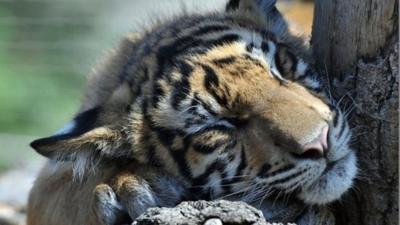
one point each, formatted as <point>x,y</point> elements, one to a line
<point>263,47</point>
<point>249,44</point>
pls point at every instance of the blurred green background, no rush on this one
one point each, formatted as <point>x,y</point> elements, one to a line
<point>48,46</point>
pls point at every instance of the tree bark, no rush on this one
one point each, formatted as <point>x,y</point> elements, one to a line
<point>355,43</point>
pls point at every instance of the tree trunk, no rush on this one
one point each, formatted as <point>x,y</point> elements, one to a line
<point>355,43</point>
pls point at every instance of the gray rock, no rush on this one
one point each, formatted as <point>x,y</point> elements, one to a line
<point>16,183</point>
<point>203,212</point>
<point>11,216</point>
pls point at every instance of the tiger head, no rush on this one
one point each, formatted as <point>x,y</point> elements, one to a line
<point>226,103</point>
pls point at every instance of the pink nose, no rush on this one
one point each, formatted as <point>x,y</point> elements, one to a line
<point>317,147</point>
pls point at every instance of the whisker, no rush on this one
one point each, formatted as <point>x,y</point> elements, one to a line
<point>276,198</point>
<point>234,193</point>
<point>187,109</point>
<point>359,135</point>
<point>340,100</point>
<point>268,192</point>
<point>257,192</point>
<point>351,109</point>
<point>251,193</point>
<point>328,82</point>
<point>223,179</point>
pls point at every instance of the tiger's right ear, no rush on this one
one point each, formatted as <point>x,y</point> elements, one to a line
<point>265,6</point>
<point>84,136</point>
<point>264,10</point>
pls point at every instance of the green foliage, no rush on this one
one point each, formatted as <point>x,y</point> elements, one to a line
<point>46,49</point>
<point>44,57</point>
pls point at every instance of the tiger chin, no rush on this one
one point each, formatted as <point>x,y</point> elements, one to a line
<point>223,105</point>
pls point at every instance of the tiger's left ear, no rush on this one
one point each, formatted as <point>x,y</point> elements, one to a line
<point>84,136</point>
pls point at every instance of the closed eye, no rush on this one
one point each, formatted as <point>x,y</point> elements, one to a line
<point>236,121</point>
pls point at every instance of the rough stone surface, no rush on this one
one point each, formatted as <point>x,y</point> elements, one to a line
<point>203,212</point>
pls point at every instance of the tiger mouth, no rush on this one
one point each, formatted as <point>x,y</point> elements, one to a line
<point>333,182</point>
<point>332,163</point>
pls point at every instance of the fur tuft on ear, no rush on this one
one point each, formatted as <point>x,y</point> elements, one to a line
<point>83,141</point>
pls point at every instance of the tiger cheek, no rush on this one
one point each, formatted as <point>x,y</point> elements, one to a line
<point>258,148</point>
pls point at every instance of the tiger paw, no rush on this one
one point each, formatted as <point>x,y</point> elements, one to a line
<point>106,206</point>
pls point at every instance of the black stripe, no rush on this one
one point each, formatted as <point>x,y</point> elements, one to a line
<point>152,157</point>
<point>188,43</point>
<point>295,61</point>
<point>202,179</point>
<point>283,180</point>
<point>318,89</point>
<point>232,143</point>
<point>239,170</point>
<point>209,29</point>
<point>211,79</point>
<point>225,183</point>
<point>336,118</point>
<point>232,5</point>
<point>342,128</point>
<point>182,88</point>
<point>282,57</point>
<point>166,137</point>
<point>214,127</point>
<point>283,169</point>
<point>250,47</point>
<point>264,170</point>
<point>211,82</point>
<point>254,61</point>
<point>223,61</point>
<point>306,74</point>
<point>224,39</point>
<point>267,35</point>
<point>243,163</point>
<point>179,157</point>
<point>206,106</point>
<point>237,122</point>
<point>264,46</point>
<point>158,93</point>
<point>208,149</point>
<point>278,64</point>
<point>180,45</point>
<point>293,185</point>
<point>166,54</point>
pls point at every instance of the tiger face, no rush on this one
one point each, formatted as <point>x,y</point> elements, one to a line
<point>220,102</point>
<point>234,121</point>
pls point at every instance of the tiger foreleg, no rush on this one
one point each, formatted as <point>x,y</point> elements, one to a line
<point>135,194</point>
<point>107,209</point>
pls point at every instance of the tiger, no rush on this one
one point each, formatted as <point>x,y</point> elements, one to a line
<point>219,105</point>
